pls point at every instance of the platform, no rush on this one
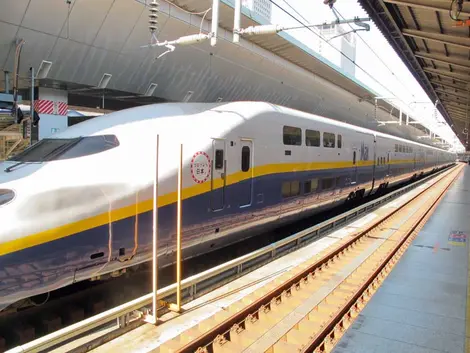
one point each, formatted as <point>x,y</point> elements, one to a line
<point>423,305</point>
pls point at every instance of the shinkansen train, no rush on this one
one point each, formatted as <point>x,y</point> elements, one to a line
<point>78,205</point>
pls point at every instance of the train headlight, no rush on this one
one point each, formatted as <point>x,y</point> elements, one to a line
<point>6,195</point>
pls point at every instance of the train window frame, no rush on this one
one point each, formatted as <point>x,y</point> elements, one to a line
<point>69,148</point>
<point>245,159</point>
<point>291,135</point>
<point>329,139</point>
<point>219,159</point>
<point>340,141</point>
<point>309,139</point>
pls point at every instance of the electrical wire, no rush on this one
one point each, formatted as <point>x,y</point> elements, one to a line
<point>362,39</point>
<point>376,55</point>
<point>326,41</point>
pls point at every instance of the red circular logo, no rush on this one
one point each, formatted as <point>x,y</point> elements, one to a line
<point>200,167</point>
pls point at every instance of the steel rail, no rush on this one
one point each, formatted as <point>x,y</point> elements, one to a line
<point>201,343</point>
<point>319,339</point>
<point>235,267</point>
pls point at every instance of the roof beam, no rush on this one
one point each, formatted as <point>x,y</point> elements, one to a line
<point>459,118</point>
<point>452,75</point>
<point>441,6</point>
<point>444,59</point>
<point>454,105</point>
<point>454,87</point>
<point>457,41</point>
<point>457,115</point>
<point>452,94</point>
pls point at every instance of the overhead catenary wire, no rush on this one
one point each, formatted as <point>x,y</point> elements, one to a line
<point>376,55</point>
<point>326,41</point>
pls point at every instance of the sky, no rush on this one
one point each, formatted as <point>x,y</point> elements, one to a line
<point>377,64</point>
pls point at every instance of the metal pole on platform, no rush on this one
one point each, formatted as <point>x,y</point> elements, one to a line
<point>236,21</point>
<point>155,236</point>
<point>177,307</point>
<point>214,22</point>
<point>31,110</point>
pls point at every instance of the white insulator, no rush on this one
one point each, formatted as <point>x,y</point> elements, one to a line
<point>153,16</point>
<point>266,29</point>
<point>191,39</point>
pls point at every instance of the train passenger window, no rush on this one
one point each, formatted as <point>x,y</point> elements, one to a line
<point>292,135</point>
<point>290,188</point>
<point>285,189</point>
<point>328,140</point>
<point>310,186</point>
<point>51,149</point>
<point>295,188</point>
<point>314,184</point>
<point>378,161</point>
<point>327,183</point>
<point>400,148</point>
<point>219,159</point>
<point>245,158</point>
<point>307,187</point>
<point>312,138</point>
<point>396,147</point>
<point>340,141</point>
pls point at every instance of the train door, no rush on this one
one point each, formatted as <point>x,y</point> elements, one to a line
<point>389,169</point>
<point>218,175</point>
<point>246,165</point>
<point>354,168</point>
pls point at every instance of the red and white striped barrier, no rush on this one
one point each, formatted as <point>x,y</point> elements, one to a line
<point>45,106</point>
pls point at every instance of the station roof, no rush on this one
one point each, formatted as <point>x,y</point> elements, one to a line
<point>435,49</point>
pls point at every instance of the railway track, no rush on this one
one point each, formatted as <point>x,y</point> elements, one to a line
<point>310,307</point>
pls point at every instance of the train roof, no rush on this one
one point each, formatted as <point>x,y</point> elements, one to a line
<point>249,110</point>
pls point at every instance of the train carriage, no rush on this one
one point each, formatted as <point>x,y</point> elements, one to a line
<point>79,204</point>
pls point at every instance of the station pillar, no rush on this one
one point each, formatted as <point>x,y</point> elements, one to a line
<point>52,107</point>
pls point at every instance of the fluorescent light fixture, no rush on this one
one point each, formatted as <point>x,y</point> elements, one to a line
<point>188,95</point>
<point>104,80</point>
<point>44,69</point>
<point>151,89</point>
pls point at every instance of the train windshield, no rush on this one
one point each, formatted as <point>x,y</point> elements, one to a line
<point>60,149</point>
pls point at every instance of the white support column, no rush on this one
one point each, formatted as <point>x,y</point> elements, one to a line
<point>236,21</point>
<point>215,21</point>
<point>52,107</point>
